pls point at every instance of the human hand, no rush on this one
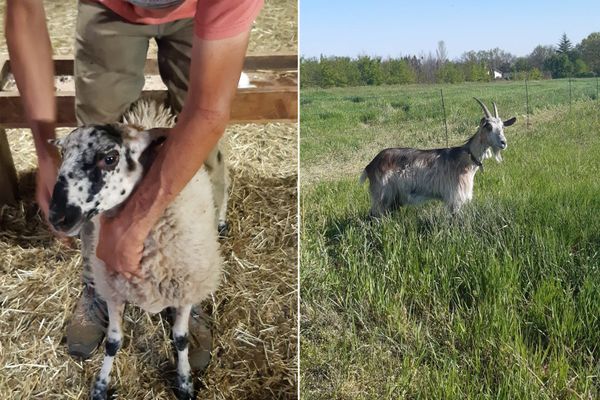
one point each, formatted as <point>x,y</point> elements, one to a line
<point>45,180</point>
<point>120,246</point>
<point>44,186</point>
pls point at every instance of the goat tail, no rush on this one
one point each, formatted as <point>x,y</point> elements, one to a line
<point>363,177</point>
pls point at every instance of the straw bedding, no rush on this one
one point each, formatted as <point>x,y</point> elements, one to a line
<point>254,311</point>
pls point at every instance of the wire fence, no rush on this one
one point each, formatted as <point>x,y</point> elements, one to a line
<point>450,104</point>
<point>540,95</point>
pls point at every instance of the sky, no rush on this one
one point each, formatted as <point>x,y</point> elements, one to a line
<point>400,28</point>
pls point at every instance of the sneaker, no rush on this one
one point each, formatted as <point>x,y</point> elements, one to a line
<point>200,336</point>
<point>88,325</point>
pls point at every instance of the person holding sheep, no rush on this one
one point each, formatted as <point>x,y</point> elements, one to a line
<point>201,50</point>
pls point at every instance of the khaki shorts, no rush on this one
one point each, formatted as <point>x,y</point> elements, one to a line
<point>110,54</point>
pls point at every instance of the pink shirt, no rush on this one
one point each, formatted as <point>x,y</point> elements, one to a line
<point>214,19</point>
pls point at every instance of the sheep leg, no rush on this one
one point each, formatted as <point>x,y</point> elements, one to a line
<point>185,385</point>
<point>114,338</point>
<point>223,226</point>
<point>219,179</point>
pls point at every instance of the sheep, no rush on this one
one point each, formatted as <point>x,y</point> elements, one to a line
<point>403,176</point>
<point>148,113</point>
<point>181,262</point>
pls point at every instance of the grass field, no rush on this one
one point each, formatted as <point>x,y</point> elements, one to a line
<point>500,302</point>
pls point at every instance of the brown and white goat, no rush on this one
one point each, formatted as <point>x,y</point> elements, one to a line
<point>403,176</point>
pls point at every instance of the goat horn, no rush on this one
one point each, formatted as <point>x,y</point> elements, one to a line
<point>495,110</point>
<point>485,109</point>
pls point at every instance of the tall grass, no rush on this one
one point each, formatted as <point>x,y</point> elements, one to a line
<point>342,124</point>
<point>502,301</point>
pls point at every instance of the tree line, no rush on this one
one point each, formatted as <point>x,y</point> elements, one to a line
<point>544,62</point>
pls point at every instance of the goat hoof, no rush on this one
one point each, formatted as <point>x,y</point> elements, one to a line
<point>223,229</point>
<point>185,387</point>
<point>100,390</point>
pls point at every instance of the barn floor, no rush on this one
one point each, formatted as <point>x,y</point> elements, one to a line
<point>254,311</point>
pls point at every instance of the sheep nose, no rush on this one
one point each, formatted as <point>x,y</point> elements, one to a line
<point>56,218</point>
<point>503,143</point>
<point>63,216</point>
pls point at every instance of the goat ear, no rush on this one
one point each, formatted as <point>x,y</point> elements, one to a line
<point>511,121</point>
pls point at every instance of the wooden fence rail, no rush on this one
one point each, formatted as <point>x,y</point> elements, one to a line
<point>270,102</point>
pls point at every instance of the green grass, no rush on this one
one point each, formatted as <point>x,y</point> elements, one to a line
<point>342,125</point>
<point>501,302</point>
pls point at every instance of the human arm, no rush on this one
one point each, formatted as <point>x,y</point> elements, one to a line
<point>31,63</point>
<point>216,66</point>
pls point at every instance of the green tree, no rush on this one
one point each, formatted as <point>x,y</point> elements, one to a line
<point>474,71</point>
<point>590,51</point>
<point>397,71</point>
<point>564,46</point>
<point>370,70</point>
<point>450,73</point>
<point>535,74</point>
<point>559,66</point>
<point>522,64</point>
<point>310,72</point>
<point>539,55</point>
<point>347,70</point>
<point>580,68</point>
<point>330,75</point>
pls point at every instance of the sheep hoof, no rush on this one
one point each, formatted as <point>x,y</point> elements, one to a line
<point>185,387</point>
<point>100,390</point>
<point>223,229</point>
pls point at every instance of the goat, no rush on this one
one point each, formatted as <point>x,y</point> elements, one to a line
<point>403,176</point>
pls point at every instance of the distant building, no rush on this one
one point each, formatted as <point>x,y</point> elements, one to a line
<point>497,74</point>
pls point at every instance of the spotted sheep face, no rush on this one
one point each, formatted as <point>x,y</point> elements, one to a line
<point>100,168</point>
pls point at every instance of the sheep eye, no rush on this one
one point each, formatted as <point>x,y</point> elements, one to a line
<point>109,160</point>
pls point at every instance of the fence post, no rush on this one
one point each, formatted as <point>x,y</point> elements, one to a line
<point>444,109</point>
<point>597,101</point>
<point>570,96</point>
<point>527,99</point>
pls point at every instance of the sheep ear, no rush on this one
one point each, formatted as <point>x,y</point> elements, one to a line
<point>158,134</point>
<point>129,131</point>
<point>56,142</point>
<point>148,138</point>
<point>511,121</point>
<point>154,138</point>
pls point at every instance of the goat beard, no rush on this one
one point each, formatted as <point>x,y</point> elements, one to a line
<point>493,152</point>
